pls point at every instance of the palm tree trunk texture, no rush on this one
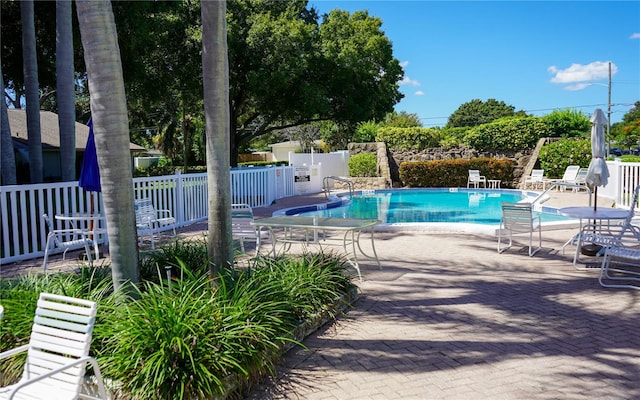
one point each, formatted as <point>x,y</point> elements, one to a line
<point>8,161</point>
<point>32,93</point>
<point>111,129</point>
<point>65,93</point>
<point>215,70</point>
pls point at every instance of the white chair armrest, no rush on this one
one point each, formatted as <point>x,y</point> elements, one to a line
<point>12,352</point>
<point>164,212</point>
<point>90,360</point>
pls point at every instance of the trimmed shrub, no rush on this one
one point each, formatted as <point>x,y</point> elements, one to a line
<point>363,164</point>
<point>454,173</point>
<point>512,134</point>
<point>413,138</point>
<point>555,157</point>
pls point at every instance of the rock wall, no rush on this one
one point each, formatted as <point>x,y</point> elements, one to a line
<point>389,160</point>
<point>396,157</point>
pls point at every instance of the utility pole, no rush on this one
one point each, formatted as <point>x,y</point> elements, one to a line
<point>609,104</point>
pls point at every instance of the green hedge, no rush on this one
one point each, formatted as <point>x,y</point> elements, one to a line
<point>363,164</point>
<point>413,138</point>
<point>555,157</point>
<point>512,134</point>
<point>454,173</point>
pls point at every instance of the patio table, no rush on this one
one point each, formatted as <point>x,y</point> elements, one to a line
<point>315,230</point>
<point>601,214</point>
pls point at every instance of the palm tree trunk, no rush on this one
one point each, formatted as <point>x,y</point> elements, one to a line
<point>111,129</point>
<point>30,68</point>
<point>65,90</point>
<point>8,162</point>
<point>215,70</point>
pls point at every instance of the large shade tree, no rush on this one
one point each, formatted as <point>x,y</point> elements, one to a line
<point>289,66</point>
<point>477,112</point>
<point>111,129</point>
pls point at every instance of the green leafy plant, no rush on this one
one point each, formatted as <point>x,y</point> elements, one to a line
<point>363,164</point>
<point>185,337</point>
<point>415,137</point>
<point>511,133</point>
<point>192,253</point>
<point>568,123</point>
<point>555,157</point>
<point>366,132</point>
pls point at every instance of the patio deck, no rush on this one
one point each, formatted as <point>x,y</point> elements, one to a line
<point>449,318</point>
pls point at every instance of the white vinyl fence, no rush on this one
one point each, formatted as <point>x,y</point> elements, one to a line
<point>623,179</point>
<point>23,231</point>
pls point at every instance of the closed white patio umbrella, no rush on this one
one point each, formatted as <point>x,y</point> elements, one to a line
<point>598,174</point>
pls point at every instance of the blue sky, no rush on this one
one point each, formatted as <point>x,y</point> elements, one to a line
<point>536,56</point>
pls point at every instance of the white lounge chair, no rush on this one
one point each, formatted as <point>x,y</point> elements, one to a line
<point>476,179</point>
<point>242,229</point>
<point>518,218</point>
<point>150,221</point>
<point>570,174</point>
<point>581,178</point>
<point>536,180</point>
<point>65,240</point>
<point>58,352</point>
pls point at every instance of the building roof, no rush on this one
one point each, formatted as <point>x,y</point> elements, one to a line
<point>294,143</point>
<point>50,135</point>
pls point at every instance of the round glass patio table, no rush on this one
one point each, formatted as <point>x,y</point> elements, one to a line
<point>599,214</point>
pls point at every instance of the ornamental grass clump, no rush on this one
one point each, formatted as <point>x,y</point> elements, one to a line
<point>311,283</point>
<point>190,336</point>
<point>192,252</point>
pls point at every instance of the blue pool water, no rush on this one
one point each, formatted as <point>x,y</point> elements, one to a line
<point>428,205</point>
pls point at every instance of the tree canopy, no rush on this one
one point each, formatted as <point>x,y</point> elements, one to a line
<point>289,66</point>
<point>477,112</point>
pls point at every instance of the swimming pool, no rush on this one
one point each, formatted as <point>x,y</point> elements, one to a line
<point>449,209</point>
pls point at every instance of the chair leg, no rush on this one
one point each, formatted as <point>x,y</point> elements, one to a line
<point>46,255</point>
<point>503,249</point>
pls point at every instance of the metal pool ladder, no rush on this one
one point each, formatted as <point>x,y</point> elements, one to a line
<point>326,187</point>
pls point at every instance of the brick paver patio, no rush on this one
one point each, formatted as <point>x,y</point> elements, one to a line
<point>450,318</point>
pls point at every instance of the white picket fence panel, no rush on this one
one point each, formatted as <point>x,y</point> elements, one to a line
<point>23,231</point>
<point>623,179</point>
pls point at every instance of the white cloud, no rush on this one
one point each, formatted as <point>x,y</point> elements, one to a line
<point>406,81</point>
<point>404,64</point>
<point>577,86</point>
<point>635,36</point>
<point>580,76</point>
<point>419,93</point>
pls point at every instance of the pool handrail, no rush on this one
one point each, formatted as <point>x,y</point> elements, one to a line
<point>561,184</point>
<point>327,188</point>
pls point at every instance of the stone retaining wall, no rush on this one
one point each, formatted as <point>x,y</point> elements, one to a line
<point>389,161</point>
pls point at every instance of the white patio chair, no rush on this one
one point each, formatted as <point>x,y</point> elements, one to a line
<point>64,240</point>
<point>620,247</point>
<point>569,175</point>
<point>242,229</point>
<point>536,179</point>
<point>57,353</point>
<point>476,179</point>
<point>150,221</point>
<point>518,218</point>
